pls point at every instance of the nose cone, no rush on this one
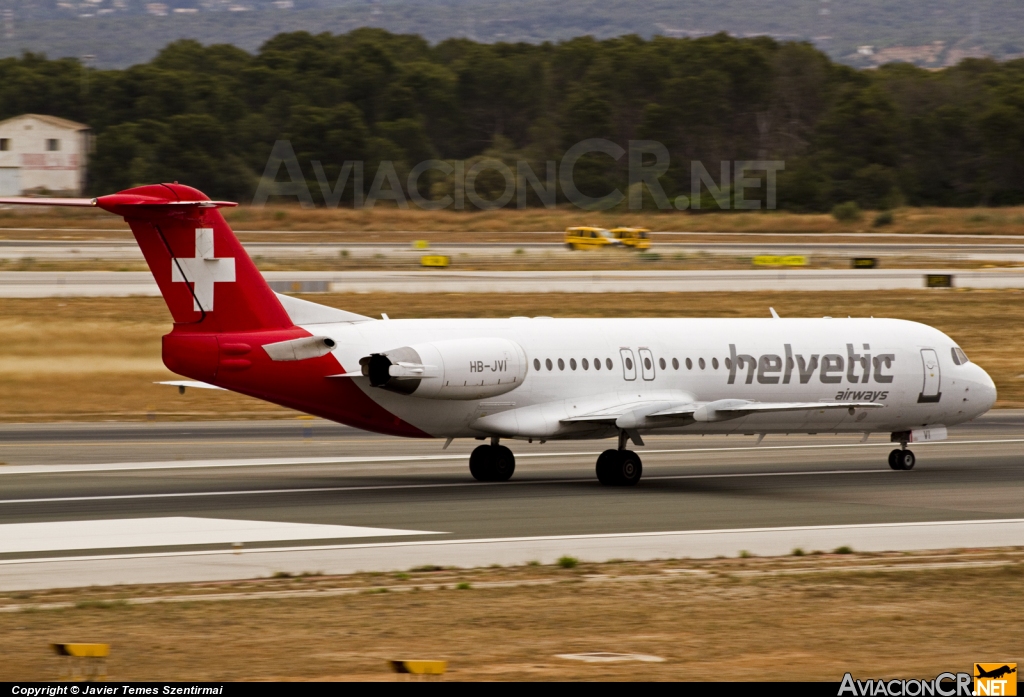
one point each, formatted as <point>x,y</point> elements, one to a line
<point>984,390</point>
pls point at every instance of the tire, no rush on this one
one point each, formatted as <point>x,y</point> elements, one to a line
<point>630,469</point>
<point>606,465</point>
<point>619,468</point>
<point>490,463</point>
<point>503,464</point>
<point>480,464</point>
<point>907,460</point>
<point>893,459</point>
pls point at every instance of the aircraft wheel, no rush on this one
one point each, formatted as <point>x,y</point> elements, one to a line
<point>619,468</point>
<point>492,463</point>
<point>503,463</point>
<point>893,459</point>
<point>630,469</point>
<point>606,464</point>
<point>907,460</point>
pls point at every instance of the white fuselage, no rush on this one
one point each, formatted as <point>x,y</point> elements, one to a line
<point>905,366</point>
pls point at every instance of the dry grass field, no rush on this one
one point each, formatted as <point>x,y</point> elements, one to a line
<point>96,358</point>
<point>793,618</point>
<point>386,219</point>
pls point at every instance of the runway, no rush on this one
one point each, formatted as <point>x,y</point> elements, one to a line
<point>207,501</point>
<point>939,248</point>
<point>40,284</point>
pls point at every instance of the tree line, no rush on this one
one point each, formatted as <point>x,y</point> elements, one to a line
<point>211,115</point>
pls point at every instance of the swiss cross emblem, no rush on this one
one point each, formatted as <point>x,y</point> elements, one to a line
<point>203,271</point>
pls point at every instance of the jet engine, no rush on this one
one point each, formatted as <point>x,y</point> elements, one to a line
<point>452,369</point>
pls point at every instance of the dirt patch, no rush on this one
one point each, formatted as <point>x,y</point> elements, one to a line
<point>806,618</point>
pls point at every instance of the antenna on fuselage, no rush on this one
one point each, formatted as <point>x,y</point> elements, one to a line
<point>774,313</point>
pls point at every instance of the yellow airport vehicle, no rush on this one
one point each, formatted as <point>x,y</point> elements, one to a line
<point>633,237</point>
<point>589,238</point>
<point>435,260</point>
<point>776,260</point>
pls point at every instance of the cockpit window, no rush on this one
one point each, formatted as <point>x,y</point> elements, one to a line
<point>959,357</point>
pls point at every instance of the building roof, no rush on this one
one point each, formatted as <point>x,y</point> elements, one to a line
<point>52,120</point>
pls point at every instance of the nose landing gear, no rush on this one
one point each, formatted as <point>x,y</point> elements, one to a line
<point>492,463</point>
<point>902,459</point>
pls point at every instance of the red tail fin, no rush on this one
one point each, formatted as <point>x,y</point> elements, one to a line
<point>207,279</point>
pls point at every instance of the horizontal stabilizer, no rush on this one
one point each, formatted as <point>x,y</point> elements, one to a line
<point>189,383</point>
<point>37,201</point>
<point>304,312</point>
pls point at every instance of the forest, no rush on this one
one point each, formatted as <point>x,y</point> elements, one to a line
<point>210,115</point>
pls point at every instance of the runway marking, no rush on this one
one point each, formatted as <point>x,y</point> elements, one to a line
<point>386,487</point>
<point>170,531</point>
<point>285,461</point>
<point>733,533</point>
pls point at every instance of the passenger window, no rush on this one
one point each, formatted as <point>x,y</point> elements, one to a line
<point>586,365</point>
<point>536,364</point>
<point>561,364</point>
<point>647,363</point>
<point>728,364</point>
<point>572,363</point>
<point>675,363</point>
<point>547,362</point>
<point>661,362</point>
<point>629,364</point>
<point>608,363</point>
<point>689,364</point>
<point>714,363</point>
<point>597,364</point>
<point>701,363</point>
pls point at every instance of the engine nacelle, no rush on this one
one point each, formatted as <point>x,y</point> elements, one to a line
<point>452,369</point>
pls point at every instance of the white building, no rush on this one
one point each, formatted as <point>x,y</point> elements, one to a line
<point>43,153</point>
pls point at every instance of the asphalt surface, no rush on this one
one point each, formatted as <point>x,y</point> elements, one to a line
<point>937,247</point>
<point>40,284</point>
<point>319,473</point>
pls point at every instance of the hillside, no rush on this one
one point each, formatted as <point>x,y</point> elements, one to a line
<point>862,33</point>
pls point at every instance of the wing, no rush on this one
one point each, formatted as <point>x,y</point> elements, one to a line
<point>751,407</point>
<point>647,413</point>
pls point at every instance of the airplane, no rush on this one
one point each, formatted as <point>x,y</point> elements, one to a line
<point>995,673</point>
<point>535,378</point>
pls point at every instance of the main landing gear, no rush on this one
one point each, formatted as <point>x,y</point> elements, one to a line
<point>492,463</point>
<point>619,467</point>
<point>902,459</point>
